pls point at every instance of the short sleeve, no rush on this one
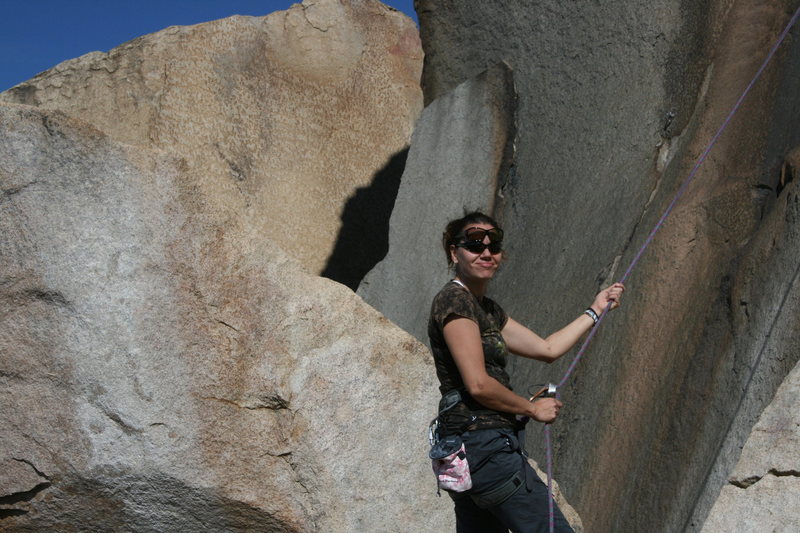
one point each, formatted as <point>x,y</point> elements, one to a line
<point>453,301</point>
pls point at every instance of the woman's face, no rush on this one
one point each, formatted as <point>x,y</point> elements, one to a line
<point>476,265</point>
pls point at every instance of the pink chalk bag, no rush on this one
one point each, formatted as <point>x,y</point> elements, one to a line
<point>448,455</point>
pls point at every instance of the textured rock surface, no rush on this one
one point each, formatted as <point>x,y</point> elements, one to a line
<point>164,367</point>
<point>468,132</point>
<point>764,489</point>
<point>615,104</point>
<point>284,116</point>
<point>566,509</point>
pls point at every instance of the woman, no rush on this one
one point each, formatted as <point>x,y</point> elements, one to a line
<point>471,336</point>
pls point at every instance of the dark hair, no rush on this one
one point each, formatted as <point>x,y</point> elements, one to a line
<point>452,232</point>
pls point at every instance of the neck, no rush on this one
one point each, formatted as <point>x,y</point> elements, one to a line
<point>476,287</point>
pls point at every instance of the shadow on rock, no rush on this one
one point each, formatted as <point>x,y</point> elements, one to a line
<point>364,236</point>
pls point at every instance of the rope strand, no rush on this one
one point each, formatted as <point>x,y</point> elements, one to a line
<point>649,239</point>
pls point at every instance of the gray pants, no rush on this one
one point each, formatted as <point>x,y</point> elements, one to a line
<point>506,493</point>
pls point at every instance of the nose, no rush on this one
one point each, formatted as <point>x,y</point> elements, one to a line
<point>486,253</point>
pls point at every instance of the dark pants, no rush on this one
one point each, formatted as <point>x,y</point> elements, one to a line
<point>506,493</point>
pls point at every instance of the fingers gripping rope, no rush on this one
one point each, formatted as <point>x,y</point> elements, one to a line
<point>649,239</point>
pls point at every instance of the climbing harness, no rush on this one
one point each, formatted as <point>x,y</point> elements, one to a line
<point>670,207</point>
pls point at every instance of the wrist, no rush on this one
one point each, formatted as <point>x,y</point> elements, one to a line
<point>531,410</point>
<point>539,412</point>
<point>592,313</point>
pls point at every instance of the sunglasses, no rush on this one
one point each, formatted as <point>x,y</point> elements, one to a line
<point>473,240</point>
<point>477,247</point>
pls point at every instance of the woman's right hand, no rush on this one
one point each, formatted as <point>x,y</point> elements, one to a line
<point>545,409</point>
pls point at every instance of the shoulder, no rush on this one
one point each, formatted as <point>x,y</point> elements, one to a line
<point>453,300</point>
<point>452,292</point>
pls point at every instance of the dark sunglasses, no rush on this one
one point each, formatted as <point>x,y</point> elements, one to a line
<point>478,234</point>
<point>473,240</point>
<point>477,247</point>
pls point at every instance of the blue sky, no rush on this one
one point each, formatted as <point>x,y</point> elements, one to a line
<point>36,35</point>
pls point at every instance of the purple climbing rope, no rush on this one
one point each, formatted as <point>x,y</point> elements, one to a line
<point>649,239</point>
<point>549,477</point>
<point>711,144</point>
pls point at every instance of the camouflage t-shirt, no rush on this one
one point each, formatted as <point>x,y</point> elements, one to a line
<point>455,300</point>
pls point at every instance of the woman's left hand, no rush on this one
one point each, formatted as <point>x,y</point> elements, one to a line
<point>611,294</point>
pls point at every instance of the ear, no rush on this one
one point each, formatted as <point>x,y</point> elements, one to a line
<point>453,256</point>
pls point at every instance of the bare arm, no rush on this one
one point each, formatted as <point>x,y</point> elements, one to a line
<point>524,342</point>
<point>463,338</point>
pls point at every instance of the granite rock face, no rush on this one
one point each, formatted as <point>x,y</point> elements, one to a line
<point>468,133</point>
<point>164,367</point>
<point>615,104</point>
<point>763,491</point>
<point>166,363</point>
<point>282,117</point>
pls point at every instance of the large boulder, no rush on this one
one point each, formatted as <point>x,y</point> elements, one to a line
<point>763,490</point>
<point>282,118</point>
<point>167,367</point>
<point>615,104</point>
<point>462,145</point>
